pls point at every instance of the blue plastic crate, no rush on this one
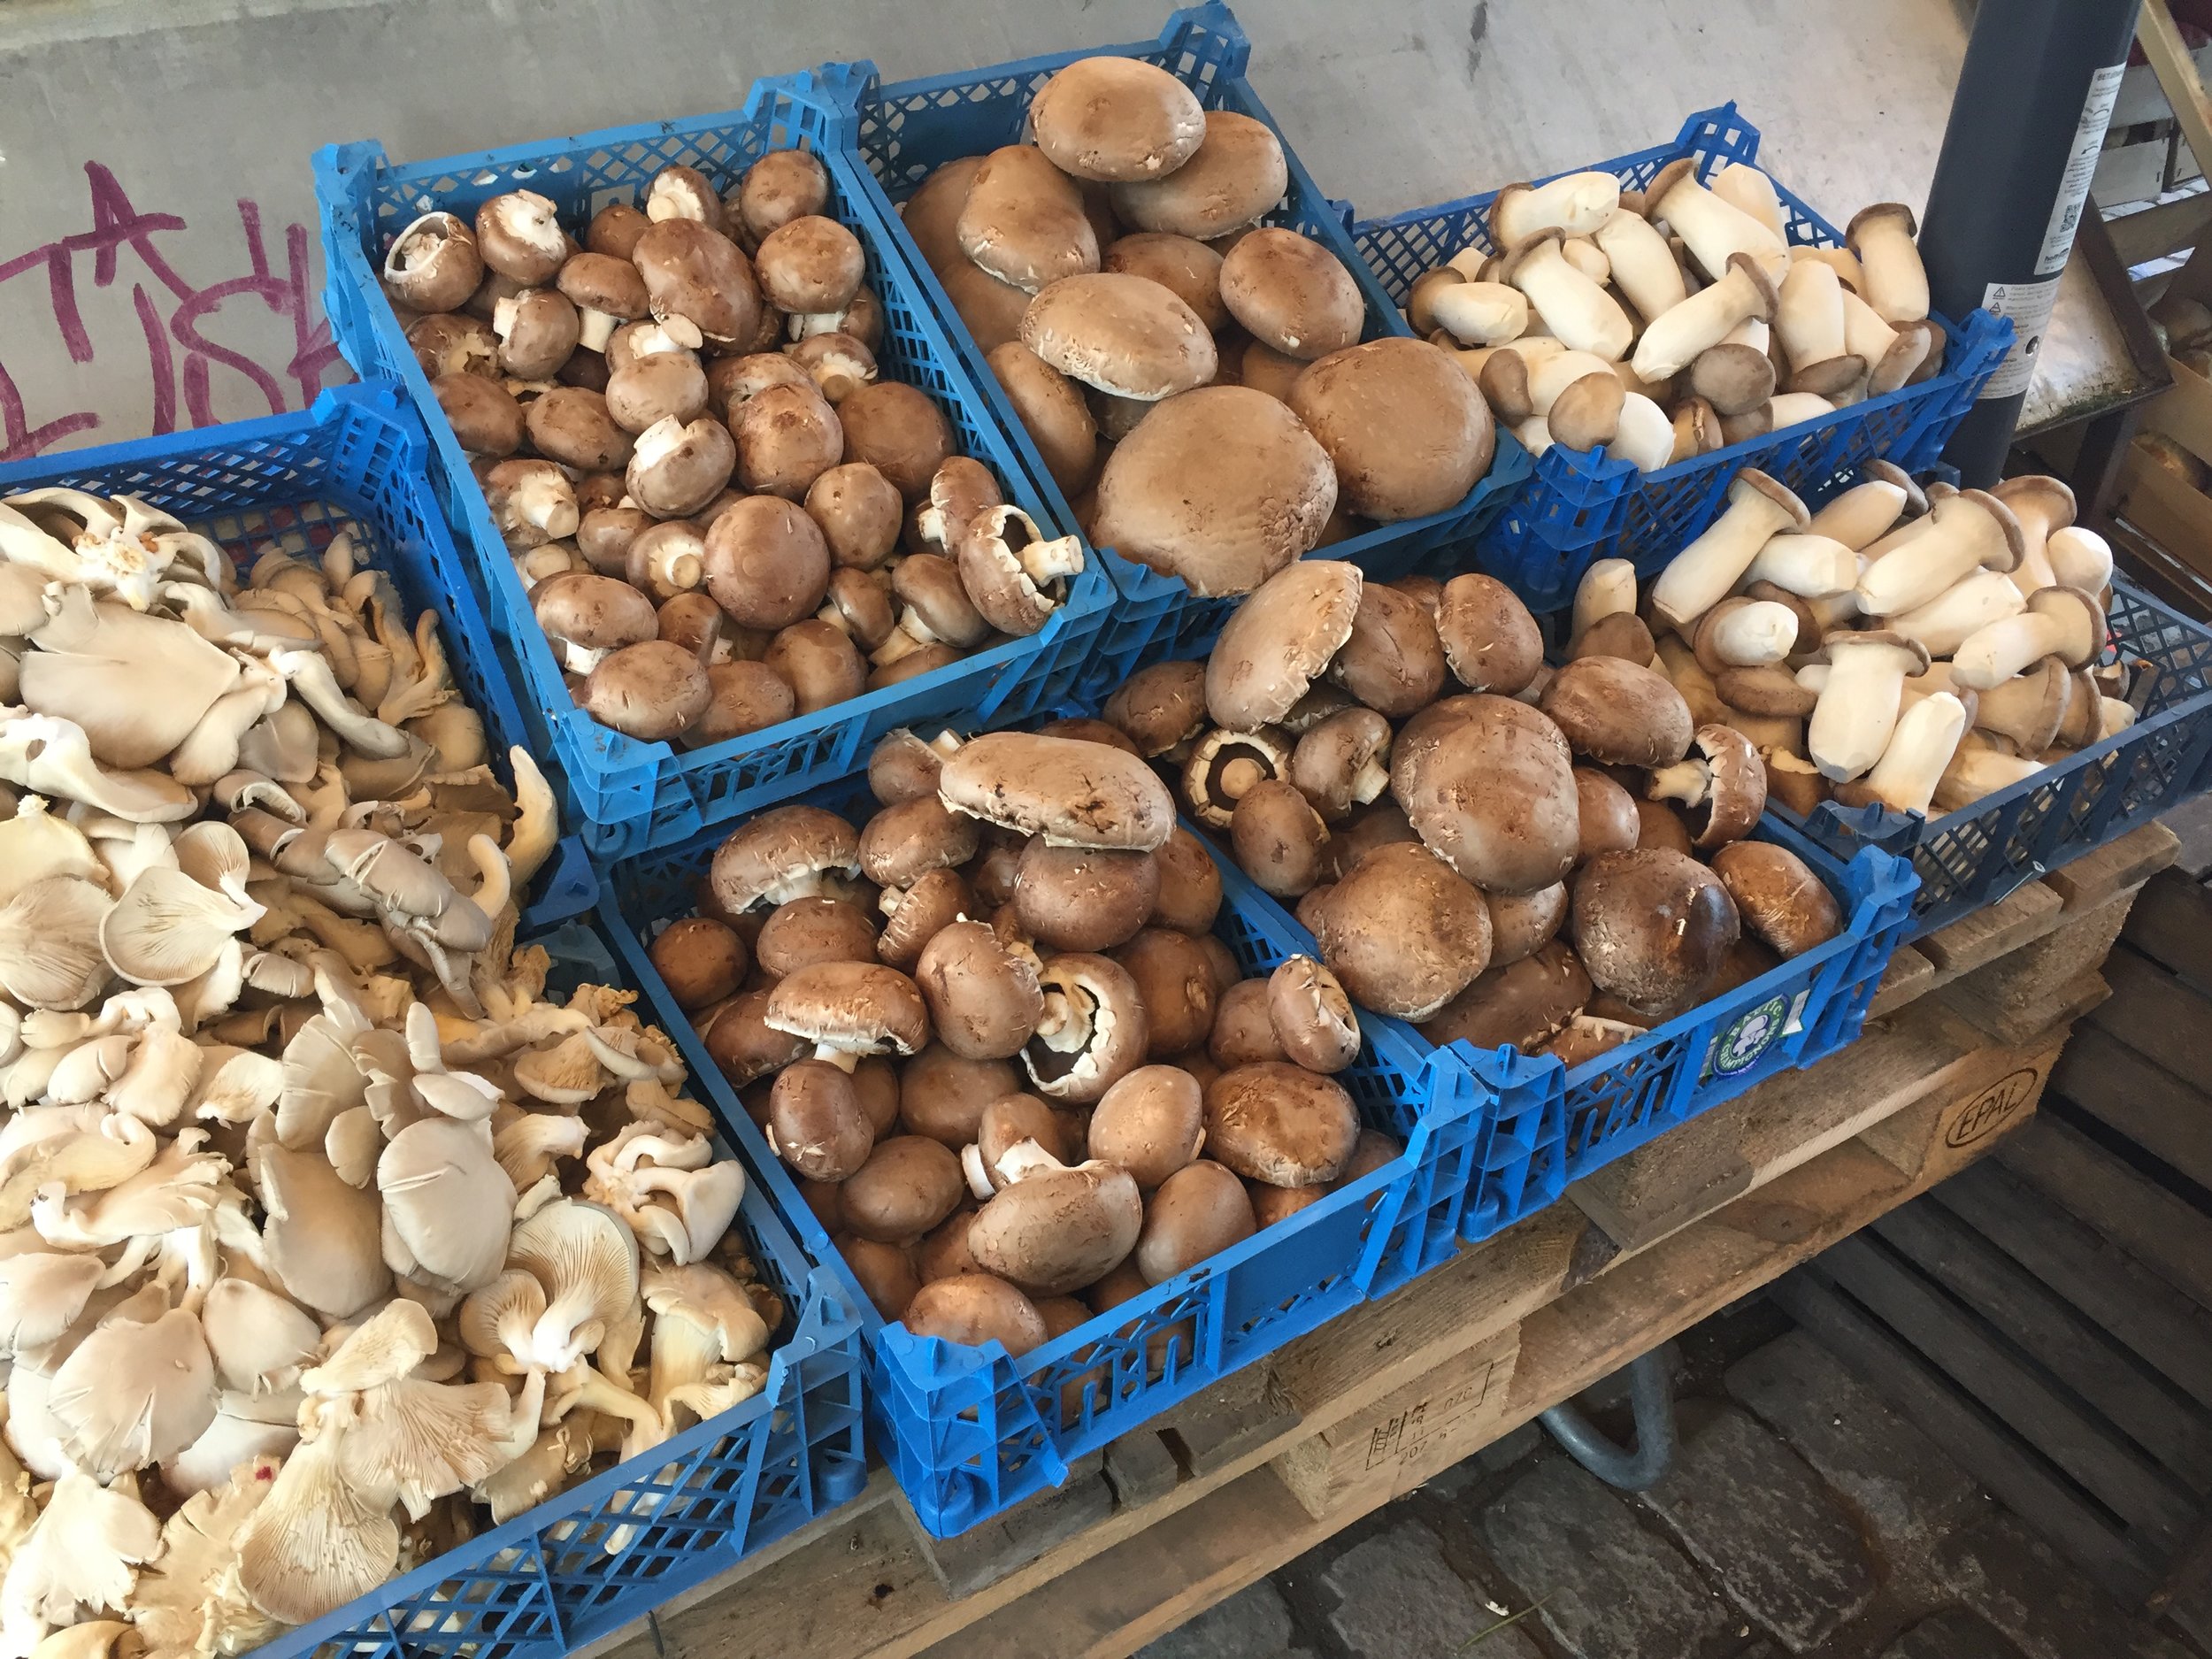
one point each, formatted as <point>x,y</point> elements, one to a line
<point>547,1584</point>
<point>1983,852</point>
<point>358,460</point>
<point>628,796</point>
<point>1577,503</point>
<point>970,1431</point>
<point>910,127</point>
<point>1552,1126</point>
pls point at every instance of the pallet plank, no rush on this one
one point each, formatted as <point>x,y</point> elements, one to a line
<point>2142,1101</point>
<point>2157,1015</point>
<point>2172,925</point>
<point>1988,1452</point>
<point>2108,1467</point>
<point>2167,1235</point>
<point>2157,1322</point>
<point>2161,1420</point>
<point>1989,933</point>
<point>2127,861</point>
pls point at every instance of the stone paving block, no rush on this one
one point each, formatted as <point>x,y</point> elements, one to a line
<point>1503,1454</point>
<point>1954,1633</point>
<point>1397,1598</point>
<point>1611,1588</point>
<point>1749,1510</point>
<point>1253,1623</point>
<point>1896,1477</point>
<point>2047,1608</point>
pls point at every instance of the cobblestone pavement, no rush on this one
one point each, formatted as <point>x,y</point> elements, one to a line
<point>1802,1516</point>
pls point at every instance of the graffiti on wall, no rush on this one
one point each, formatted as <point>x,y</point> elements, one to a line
<point>123,248</point>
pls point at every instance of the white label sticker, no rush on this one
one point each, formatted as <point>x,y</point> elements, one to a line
<point>2029,306</point>
<point>2081,166</point>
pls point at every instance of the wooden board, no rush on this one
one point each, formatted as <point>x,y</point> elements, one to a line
<point>1986,934</point>
<point>1991,1096</point>
<point>2141,1100</point>
<point>1736,1148</point>
<point>2168,54</point>
<point>2157,1015</point>
<point>2172,926</point>
<point>2128,862</point>
<point>1908,977</point>
<point>2170,1237</point>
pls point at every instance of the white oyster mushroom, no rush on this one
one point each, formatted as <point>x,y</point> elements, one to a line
<point>35,844</point>
<point>168,929</point>
<point>703,1327</point>
<point>260,1341</point>
<point>178,1189</point>
<point>529,1145</point>
<point>446,1203</point>
<point>163,1072</point>
<point>353,1143</point>
<point>310,677</point>
<point>536,826</point>
<point>22,599</point>
<point>322,1078</point>
<point>665,1187</point>
<point>319,1538</point>
<point>568,1074</point>
<point>31,1431</point>
<point>82,1557</point>
<point>41,1295</point>
<point>245,1426</point>
<point>188,1600</point>
<point>127,850</point>
<point>23,543</point>
<point>324,1238</point>
<point>133,1393</point>
<point>586,1261</point>
<point>499,1321</point>
<point>236,1086</point>
<point>136,684</point>
<point>50,954</point>
<point>54,757</point>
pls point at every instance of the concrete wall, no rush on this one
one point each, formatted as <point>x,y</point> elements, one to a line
<point>158,265</point>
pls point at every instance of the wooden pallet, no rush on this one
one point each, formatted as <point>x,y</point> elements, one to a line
<point>1235,1482</point>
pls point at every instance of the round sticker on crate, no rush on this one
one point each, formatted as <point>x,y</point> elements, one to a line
<point>1757,1029</point>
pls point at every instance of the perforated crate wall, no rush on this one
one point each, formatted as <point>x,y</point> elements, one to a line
<point>625,795</point>
<point>1578,505</point>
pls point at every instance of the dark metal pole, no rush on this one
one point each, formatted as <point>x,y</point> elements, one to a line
<point>2027,122</point>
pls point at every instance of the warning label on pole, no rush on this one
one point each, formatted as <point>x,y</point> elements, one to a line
<point>2081,166</point>
<point>2028,305</point>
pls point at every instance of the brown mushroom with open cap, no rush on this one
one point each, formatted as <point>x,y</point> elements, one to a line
<point>1115,119</point>
<point>1488,784</point>
<point>1312,1016</point>
<point>1234,176</point>
<point>1052,410</point>
<point>785,853</point>
<point>1023,220</point>
<point>1279,640</point>
<point>1407,432</point>
<point>1522,925</point>
<point>1653,926</point>
<point>1402,931</point>
<point>1188,269</point>
<point>1292,294</point>
<point>1151,1123</point>
<point>849,1009</point>
<point>1126,335</point>
<point>1221,487</point>
<point>1093,1032</point>
<point>1071,793</point>
<point>1280,1123</point>
<point>1520,1004</point>
<point>1723,787</point>
<point>1781,899</point>
<point>1015,575</point>
<point>1051,1229</point>
<point>693,271</point>
<point>1618,713</point>
<point>1224,766</point>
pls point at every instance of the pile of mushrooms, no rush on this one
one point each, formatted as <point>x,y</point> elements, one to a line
<point>1920,650</point>
<point>716,534</point>
<point>1193,379</point>
<point>993,1031</point>
<point>323,1226</point>
<point>1489,847</point>
<point>1668,322</point>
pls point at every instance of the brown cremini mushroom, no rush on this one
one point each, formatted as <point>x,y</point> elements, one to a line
<point>1280,1123</point>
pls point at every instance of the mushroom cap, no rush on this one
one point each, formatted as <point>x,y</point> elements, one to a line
<point>1052,412</point>
<point>975,1309</point>
<point>1588,412</point>
<point>1151,1123</point>
<point>2041,495</point>
<point>1736,790</point>
<point>1083,898</point>
<point>1393,661</point>
<point>1342,758</point>
<point>1236,174</point>
<point>909,1184</point>
<point>1279,640</point>
<point>1005,1124</point>
<point>810,265</point>
<point>781,186</point>
<point>743,1046</point>
<point>859,511</point>
<point>1521,927</point>
<point>1406,431</point>
<point>1278,1122</point>
<point>860,1007</point>
<point>668,384</point>
<point>1618,713</point>
<point>1190,885</point>
<point>898,430</point>
<point>1491,640</point>
<point>447,1200</point>
<point>1023,220</point>
<point>942,1095</point>
<point>701,960</point>
<point>1127,335</point>
<point>650,691</point>
<point>1072,792</point>
<point>815,1122</point>
<point>984,1000</point>
<point>1174,979</point>
<point>1056,1230</point>
<point>1652,926</point>
<point>1732,377</point>
<point>1277,837</point>
<point>1099,990</point>
<point>1115,119</point>
<point>1199,1211</point>
<point>767,562</point>
<point>1291,293</point>
<point>902,843</point>
<point>1781,899</point>
<point>1221,487</point>
<point>931,905</point>
<point>595,612</point>
<point>802,932</point>
<point>1187,268</point>
<point>885,1271</point>
<point>1879,213</point>
<point>1519,1004</point>
<point>1488,784</point>
<point>1912,655</point>
<point>1312,1016</point>
<point>1160,706</point>
<point>1402,931</point>
<point>787,436</point>
<point>692,271</point>
<point>570,424</point>
<point>777,853</point>
<point>2084,618</point>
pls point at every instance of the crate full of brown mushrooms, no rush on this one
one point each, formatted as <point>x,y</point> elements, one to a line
<point>1649,324</point>
<point>1526,860</point>
<point>1078,1109</point>
<point>347,1222</point>
<point>738,509</point>
<point>1173,319</point>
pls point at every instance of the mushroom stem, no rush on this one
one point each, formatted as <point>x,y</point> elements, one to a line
<point>1963,535</point>
<point>1751,636</point>
<point>1065,1026</point>
<point>1997,652</point>
<point>844,1059</point>
<point>1975,772</point>
<point>1607,587</point>
<point>1704,572</point>
<point>2079,559</point>
<point>1896,282</point>
<point>1686,781</point>
<point>1043,561</point>
<point>1955,614</point>
<point>1674,340</point>
<point>1583,315</point>
<point>1927,736</point>
<point>1863,514</point>
<point>1643,264</point>
<point>1857,712</point>
<point>1810,566</point>
<point>1713,228</point>
<point>1809,318</point>
<point>1370,780</point>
